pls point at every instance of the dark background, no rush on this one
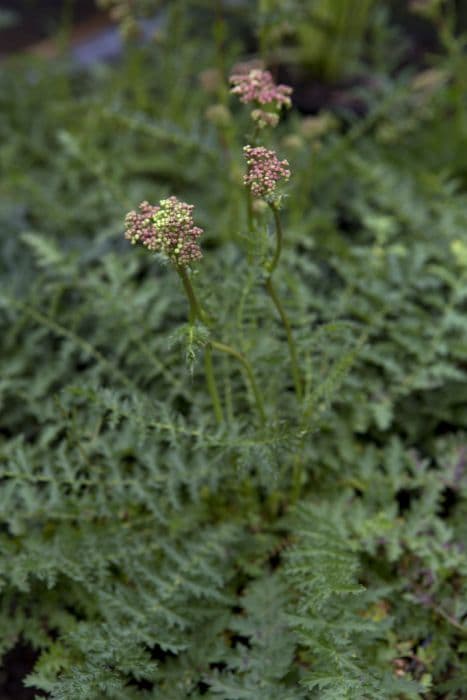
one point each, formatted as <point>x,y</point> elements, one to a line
<point>39,19</point>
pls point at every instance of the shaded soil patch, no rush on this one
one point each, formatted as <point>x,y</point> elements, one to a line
<point>16,665</point>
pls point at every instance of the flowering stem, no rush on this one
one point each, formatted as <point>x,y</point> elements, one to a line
<point>285,322</point>
<point>222,347</point>
<point>195,309</point>
<point>249,209</point>
<point>197,312</point>
<point>278,304</point>
<point>279,237</point>
<point>255,134</point>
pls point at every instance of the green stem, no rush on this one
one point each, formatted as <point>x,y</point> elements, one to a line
<point>279,237</point>
<point>296,375</point>
<point>196,312</point>
<point>195,309</point>
<point>249,372</point>
<point>297,380</point>
<point>297,478</point>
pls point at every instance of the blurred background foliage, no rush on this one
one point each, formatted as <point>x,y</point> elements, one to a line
<point>141,555</point>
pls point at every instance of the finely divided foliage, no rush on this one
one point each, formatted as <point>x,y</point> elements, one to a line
<point>284,517</point>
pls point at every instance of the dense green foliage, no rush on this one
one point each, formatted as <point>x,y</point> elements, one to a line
<point>147,552</point>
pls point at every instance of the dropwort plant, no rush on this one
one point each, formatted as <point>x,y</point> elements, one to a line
<point>149,551</point>
<point>168,229</point>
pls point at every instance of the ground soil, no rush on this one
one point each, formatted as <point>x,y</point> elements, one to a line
<point>15,667</point>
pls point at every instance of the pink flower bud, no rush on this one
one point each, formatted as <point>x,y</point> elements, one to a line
<point>167,228</point>
<point>259,87</point>
<point>264,171</point>
<point>263,118</point>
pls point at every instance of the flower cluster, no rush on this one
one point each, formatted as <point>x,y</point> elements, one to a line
<point>168,229</point>
<point>264,171</point>
<point>258,86</point>
<point>263,118</point>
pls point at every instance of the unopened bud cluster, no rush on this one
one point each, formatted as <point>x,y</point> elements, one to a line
<point>258,86</point>
<point>263,118</point>
<point>264,171</point>
<point>168,229</point>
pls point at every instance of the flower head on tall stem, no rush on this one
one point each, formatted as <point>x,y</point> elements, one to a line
<point>258,86</point>
<point>264,171</point>
<point>167,228</point>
